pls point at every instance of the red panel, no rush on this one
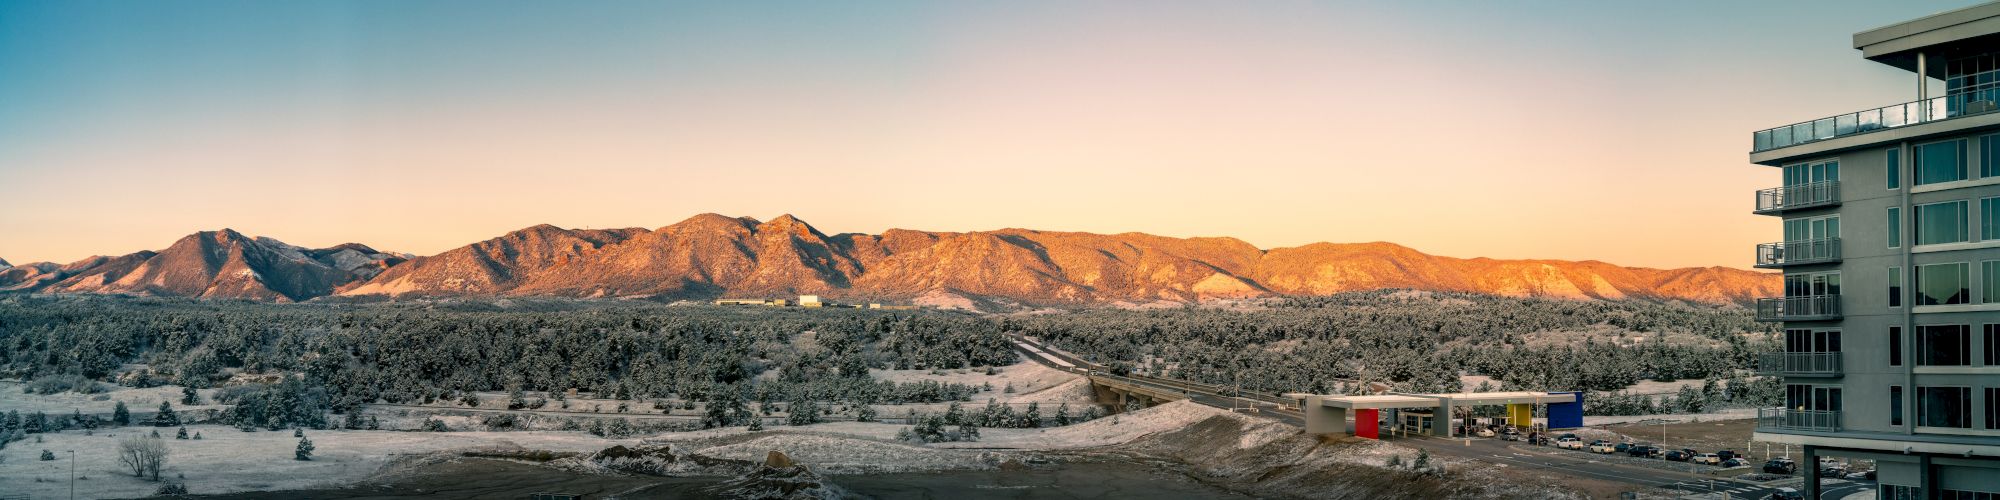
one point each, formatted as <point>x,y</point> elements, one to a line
<point>1366,423</point>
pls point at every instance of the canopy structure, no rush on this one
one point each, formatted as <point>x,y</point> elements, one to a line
<point>1327,414</point>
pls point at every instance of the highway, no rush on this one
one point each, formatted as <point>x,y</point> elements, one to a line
<point>1492,451</point>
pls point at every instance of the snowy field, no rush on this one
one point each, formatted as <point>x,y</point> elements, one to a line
<point>137,400</point>
<point>226,459</point>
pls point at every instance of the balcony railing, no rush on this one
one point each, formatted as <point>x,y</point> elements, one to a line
<point>1799,363</point>
<point>1800,308</point>
<point>1860,122</point>
<point>1780,199</point>
<point>1798,420</point>
<point>1792,253</point>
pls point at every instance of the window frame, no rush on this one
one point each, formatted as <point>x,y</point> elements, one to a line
<point>1964,281</point>
<point>1917,162</point>
<point>1964,229</point>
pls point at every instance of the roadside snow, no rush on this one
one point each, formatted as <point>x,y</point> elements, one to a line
<point>139,401</point>
<point>1728,414</point>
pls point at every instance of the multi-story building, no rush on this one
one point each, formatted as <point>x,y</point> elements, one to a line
<point>1891,257</point>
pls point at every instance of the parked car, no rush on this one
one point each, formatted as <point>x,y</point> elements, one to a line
<point>1781,465</point>
<point>1601,446</point>
<point>1868,474</point>
<point>1622,447</point>
<point>1830,468</point>
<point>1735,462</point>
<point>1569,443</point>
<point>1486,433</point>
<point>1708,458</point>
<point>1642,451</point>
<point>1727,454</point>
<point>1678,455</point>
<point>1787,493</point>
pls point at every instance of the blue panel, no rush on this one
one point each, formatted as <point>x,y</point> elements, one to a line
<point>1566,415</point>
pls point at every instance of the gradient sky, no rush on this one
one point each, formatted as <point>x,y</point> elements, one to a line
<point>1615,131</point>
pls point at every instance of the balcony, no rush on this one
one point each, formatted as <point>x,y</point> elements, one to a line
<point>1800,364</point>
<point>1800,308</point>
<point>1794,253</point>
<point>1795,197</point>
<point>1786,419</point>
<point>1861,122</point>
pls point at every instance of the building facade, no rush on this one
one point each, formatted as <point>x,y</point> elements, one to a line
<point>1891,259</point>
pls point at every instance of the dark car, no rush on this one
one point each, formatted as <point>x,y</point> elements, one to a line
<point>1735,462</point>
<point>1726,454</point>
<point>1781,466</point>
<point>1640,450</point>
<point>1787,494</point>
<point>1679,456</point>
<point>1622,447</point>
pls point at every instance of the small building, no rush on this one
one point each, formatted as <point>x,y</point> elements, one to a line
<point>741,302</point>
<point>809,301</point>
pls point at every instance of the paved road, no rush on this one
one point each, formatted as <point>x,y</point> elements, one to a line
<point>1496,452</point>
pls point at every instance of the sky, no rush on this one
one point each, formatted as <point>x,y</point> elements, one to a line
<point>1579,130</point>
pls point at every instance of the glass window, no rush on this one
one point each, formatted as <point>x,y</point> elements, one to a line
<point>1895,227</point>
<point>1992,408</point>
<point>1895,287</point>
<point>1944,407</point>
<point>1989,163</point>
<point>1989,281</point>
<point>1941,223</point>
<point>1940,162</point>
<point>1989,216</point>
<point>1894,168</point>
<point>1943,284</point>
<point>1895,346</point>
<point>1895,405</point>
<point>1944,345</point>
<point>1992,345</point>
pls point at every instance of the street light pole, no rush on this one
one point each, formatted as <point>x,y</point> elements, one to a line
<point>72,474</point>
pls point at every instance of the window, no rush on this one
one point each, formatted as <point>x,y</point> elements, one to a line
<point>1895,405</point>
<point>1899,492</point>
<point>1941,223</point>
<point>1895,346</point>
<point>1940,162</point>
<point>1814,228</point>
<point>1945,494</point>
<point>1810,284</point>
<point>1812,397</point>
<point>1943,284</point>
<point>1944,407</point>
<point>1989,274</point>
<point>1989,216</point>
<point>1944,345</point>
<point>1810,173</point>
<point>1895,287</point>
<point>1992,408</point>
<point>1989,163</point>
<point>1894,168</point>
<point>1812,341</point>
<point>1992,351</point>
<point>1895,227</point>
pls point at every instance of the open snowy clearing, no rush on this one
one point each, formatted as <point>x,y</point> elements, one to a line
<point>227,459</point>
<point>137,400</point>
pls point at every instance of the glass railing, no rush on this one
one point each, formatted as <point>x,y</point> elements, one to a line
<point>1800,308</point>
<point>1790,253</point>
<point>1909,113</point>
<point>1799,363</point>
<point>1797,196</point>
<point>1800,420</point>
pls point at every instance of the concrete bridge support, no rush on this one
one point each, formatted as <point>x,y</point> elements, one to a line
<point>1322,419</point>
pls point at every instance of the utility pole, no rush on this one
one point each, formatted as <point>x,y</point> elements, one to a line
<point>72,474</point>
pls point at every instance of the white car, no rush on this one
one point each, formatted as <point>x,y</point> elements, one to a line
<point>1485,433</point>
<point>1708,458</point>
<point>1569,443</point>
<point>1605,447</point>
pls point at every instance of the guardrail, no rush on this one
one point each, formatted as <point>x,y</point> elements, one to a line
<point>1799,363</point>
<point>1798,420</point>
<point>1797,196</point>
<point>1792,253</point>
<point>1801,308</point>
<point>1886,117</point>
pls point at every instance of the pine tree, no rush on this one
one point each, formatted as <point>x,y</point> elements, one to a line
<point>120,415</point>
<point>756,424</point>
<point>1062,414</point>
<point>166,417</point>
<point>189,397</point>
<point>305,450</point>
<point>181,434</point>
<point>1423,462</point>
<point>353,421</point>
<point>298,433</point>
<point>865,413</point>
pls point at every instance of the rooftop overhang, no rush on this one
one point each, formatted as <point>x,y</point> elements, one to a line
<point>1436,400</point>
<point>1975,28</point>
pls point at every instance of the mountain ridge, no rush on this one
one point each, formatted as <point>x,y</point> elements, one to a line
<point>711,255</point>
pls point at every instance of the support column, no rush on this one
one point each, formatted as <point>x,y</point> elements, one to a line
<point>1923,82</point>
<point>1441,422</point>
<point>1926,477</point>
<point>1321,419</point>
<point>1811,469</point>
<point>1367,423</point>
<point>1521,415</point>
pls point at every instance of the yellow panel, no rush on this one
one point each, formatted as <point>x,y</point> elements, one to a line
<point>1520,415</point>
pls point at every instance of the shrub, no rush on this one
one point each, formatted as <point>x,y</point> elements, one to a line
<point>68,382</point>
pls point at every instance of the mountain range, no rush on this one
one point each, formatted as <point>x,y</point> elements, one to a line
<point>711,256</point>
